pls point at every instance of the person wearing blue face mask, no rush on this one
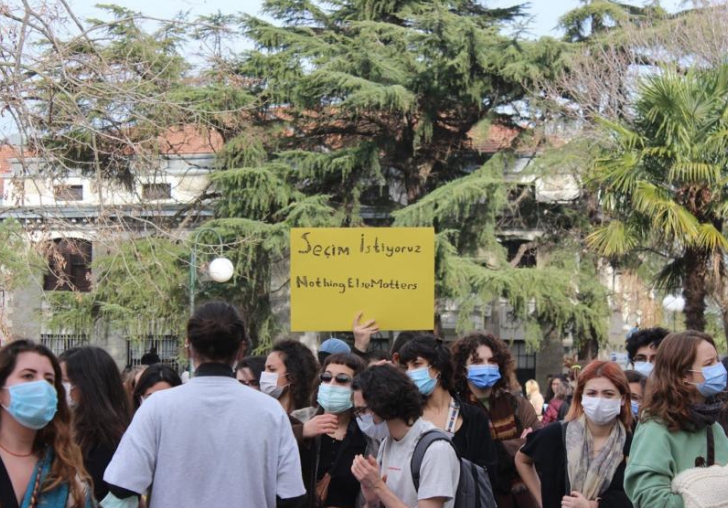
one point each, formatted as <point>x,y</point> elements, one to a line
<point>428,362</point>
<point>642,347</point>
<point>637,386</point>
<point>36,445</point>
<point>678,430</point>
<point>483,372</point>
<point>334,484</point>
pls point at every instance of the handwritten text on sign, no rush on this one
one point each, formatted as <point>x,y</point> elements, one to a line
<point>387,273</point>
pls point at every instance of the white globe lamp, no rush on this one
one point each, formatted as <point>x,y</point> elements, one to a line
<point>673,303</point>
<point>221,269</point>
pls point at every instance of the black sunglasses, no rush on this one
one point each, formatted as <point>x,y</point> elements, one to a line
<point>248,383</point>
<point>342,379</point>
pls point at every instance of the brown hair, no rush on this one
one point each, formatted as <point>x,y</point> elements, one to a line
<point>612,372</point>
<point>67,464</point>
<point>668,398</point>
<point>467,347</point>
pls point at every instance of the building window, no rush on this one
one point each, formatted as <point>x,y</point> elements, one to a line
<point>69,265</point>
<point>153,191</point>
<point>60,342</point>
<point>523,359</point>
<point>68,192</point>
<point>165,346</point>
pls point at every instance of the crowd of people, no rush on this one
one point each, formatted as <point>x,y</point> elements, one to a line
<point>428,424</point>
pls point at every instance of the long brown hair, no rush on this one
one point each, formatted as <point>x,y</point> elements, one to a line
<point>612,372</point>
<point>668,397</point>
<point>67,466</point>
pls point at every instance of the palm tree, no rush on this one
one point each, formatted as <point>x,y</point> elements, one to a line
<point>663,185</point>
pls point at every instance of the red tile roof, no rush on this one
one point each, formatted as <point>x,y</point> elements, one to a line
<point>188,140</point>
<point>494,138</point>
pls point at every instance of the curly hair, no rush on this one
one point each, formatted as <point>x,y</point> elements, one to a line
<point>389,393</point>
<point>67,466</point>
<point>430,348</point>
<point>467,348</point>
<point>301,367</point>
<point>646,337</point>
<point>610,371</point>
<point>668,398</point>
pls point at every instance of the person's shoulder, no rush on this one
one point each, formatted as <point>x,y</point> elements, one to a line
<point>471,410</point>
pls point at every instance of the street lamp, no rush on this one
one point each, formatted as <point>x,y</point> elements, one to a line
<point>674,304</point>
<point>220,270</point>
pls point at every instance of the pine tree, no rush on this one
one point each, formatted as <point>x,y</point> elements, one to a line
<point>366,111</point>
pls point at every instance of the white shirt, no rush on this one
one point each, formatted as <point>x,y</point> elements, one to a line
<point>439,474</point>
<point>209,443</point>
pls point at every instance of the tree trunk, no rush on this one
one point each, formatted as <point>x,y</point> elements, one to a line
<point>694,288</point>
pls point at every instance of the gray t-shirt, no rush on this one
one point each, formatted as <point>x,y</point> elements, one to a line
<point>210,442</point>
<point>439,474</point>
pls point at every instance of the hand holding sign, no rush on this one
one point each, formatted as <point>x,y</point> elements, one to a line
<point>363,332</point>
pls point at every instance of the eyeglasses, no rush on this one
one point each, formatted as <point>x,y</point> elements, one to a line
<point>249,383</point>
<point>359,411</point>
<point>341,379</point>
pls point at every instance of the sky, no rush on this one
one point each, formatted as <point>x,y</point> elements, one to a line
<point>546,13</point>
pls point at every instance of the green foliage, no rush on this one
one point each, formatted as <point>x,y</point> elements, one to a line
<point>141,288</point>
<point>662,183</point>
<point>18,261</point>
<point>368,109</point>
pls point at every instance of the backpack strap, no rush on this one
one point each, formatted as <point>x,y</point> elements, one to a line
<point>423,443</point>
<point>452,416</point>
<point>567,483</point>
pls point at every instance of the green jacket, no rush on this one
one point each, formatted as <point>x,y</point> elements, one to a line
<point>658,455</point>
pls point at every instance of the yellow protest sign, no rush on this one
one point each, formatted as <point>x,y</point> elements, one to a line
<point>386,273</point>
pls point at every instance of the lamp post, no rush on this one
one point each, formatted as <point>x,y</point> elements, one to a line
<point>674,304</point>
<point>220,270</point>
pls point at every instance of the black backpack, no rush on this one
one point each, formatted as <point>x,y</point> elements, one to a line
<point>474,489</point>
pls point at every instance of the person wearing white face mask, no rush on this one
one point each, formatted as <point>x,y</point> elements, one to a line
<point>580,463</point>
<point>678,433</point>
<point>391,398</point>
<point>642,347</point>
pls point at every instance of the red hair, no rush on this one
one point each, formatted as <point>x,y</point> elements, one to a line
<point>612,372</point>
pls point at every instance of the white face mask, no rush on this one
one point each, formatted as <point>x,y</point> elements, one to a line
<point>644,368</point>
<point>269,384</point>
<point>601,411</point>
<point>376,431</point>
<point>69,400</point>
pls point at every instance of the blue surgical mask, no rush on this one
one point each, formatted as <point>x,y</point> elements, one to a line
<point>32,404</point>
<point>376,431</point>
<point>635,407</point>
<point>421,377</point>
<point>715,380</point>
<point>483,376</point>
<point>644,368</point>
<point>334,399</point>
